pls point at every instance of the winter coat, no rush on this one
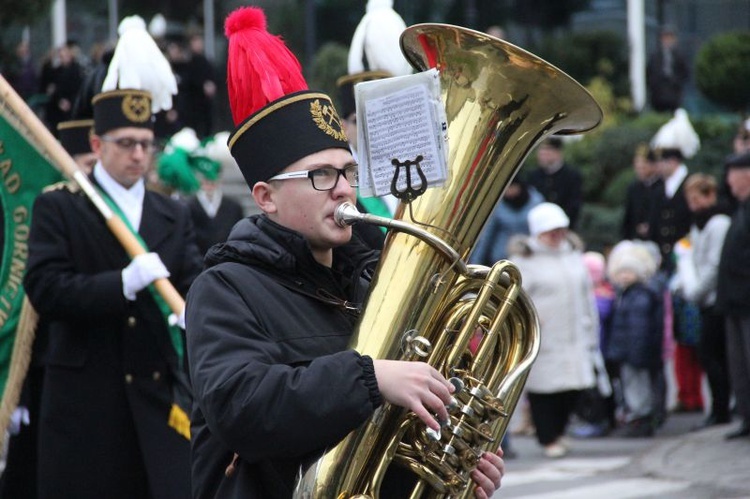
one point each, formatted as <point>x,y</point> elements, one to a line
<point>635,335</point>
<point>733,292</point>
<point>559,285</point>
<point>108,383</point>
<point>697,271</point>
<point>268,330</point>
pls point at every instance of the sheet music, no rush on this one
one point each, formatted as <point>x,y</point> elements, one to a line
<point>400,118</point>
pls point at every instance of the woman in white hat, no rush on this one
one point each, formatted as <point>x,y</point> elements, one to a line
<point>556,279</point>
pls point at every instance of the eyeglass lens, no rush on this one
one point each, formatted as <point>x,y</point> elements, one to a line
<point>324,179</point>
<point>130,143</point>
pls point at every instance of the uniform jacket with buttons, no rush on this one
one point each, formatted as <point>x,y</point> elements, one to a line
<point>274,381</point>
<point>107,389</point>
<point>669,222</point>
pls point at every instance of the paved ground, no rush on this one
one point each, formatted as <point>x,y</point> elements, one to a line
<point>675,464</point>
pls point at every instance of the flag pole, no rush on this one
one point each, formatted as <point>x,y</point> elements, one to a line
<point>38,134</point>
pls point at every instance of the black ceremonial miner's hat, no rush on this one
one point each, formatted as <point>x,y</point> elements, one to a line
<point>74,136</point>
<point>278,120</point>
<point>122,108</point>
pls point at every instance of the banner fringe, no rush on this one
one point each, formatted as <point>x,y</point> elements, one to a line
<point>19,364</point>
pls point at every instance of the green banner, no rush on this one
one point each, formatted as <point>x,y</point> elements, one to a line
<point>24,172</point>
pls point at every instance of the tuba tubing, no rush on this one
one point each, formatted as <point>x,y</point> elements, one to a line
<point>425,303</point>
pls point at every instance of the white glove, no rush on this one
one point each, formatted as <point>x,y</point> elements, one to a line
<point>142,271</point>
<point>19,417</point>
<point>177,320</point>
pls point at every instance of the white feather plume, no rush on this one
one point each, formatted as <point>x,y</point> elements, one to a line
<point>377,39</point>
<point>185,139</point>
<point>678,133</point>
<point>138,63</point>
<point>158,26</point>
<point>218,150</point>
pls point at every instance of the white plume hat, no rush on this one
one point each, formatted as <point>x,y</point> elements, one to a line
<point>137,63</point>
<point>376,40</point>
<point>678,133</point>
<point>217,149</point>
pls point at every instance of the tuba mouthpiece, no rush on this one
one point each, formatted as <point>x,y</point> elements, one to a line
<point>346,214</point>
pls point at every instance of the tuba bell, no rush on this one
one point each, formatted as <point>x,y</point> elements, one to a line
<point>474,324</point>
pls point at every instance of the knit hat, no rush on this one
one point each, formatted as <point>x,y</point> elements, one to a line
<point>632,256</point>
<point>545,217</point>
<point>278,120</point>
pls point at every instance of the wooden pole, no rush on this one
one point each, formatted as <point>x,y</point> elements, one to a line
<point>48,146</point>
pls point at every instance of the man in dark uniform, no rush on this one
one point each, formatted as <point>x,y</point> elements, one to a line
<point>111,364</point>
<point>556,180</point>
<point>639,195</point>
<point>670,216</point>
<point>669,222</point>
<point>19,478</point>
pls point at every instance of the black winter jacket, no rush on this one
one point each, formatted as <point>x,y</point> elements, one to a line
<point>635,335</point>
<point>733,289</point>
<point>268,329</point>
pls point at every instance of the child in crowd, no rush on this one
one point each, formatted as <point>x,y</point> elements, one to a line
<point>635,339</point>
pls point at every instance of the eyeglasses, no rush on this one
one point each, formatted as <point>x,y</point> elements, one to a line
<point>324,179</point>
<point>129,144</point>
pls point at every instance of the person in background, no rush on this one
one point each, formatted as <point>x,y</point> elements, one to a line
<point>669,221</point>
<point>640,194</point>
<point>733,290</point>
<point>696,280</point>
<point>635,336</point>
<point>559,182</point>
<point>75,138</point>
<point>22,73</point>
<point>557,281</point>
<point>509,218</point>
<point>667,73</point>
<point>199,87</point>
<point>270,319</point>
<point>214,214</point>
<point>61,83</point>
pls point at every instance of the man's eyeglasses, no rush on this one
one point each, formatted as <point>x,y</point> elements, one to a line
<point>324,179</point>
<point>129,144</point>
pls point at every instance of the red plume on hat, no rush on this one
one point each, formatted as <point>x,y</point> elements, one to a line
<point>260,67</point>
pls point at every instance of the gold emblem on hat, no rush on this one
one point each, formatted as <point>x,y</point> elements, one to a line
<point>327,119</point>
<point>136,108</point>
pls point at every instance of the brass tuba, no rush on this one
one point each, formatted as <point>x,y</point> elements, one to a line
<point>425,302</point>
